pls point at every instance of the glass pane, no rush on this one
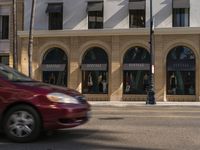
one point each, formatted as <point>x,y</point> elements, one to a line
<point>181,79</point>
<point>5,27</point>
<point>181,82</point>
<point>135,82</point>
<point>95,55</point>
<point>55,77</point>
<point>181,17</point>
<point>55,21</point>
<point>55,56</point>
<point>95,19</point>
<point>4,60</point>
<point>137,55</point>
<point>95,82</point>
<point>181,53</point>
<point>136,18</point>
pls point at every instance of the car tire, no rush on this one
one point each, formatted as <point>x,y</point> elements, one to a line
<point>22,123</point>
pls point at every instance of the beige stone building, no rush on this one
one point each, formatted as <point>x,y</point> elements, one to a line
<point>106,55</point>
<point>6,28</point>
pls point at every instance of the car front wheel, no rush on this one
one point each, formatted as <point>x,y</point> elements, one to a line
<point>22,123</point>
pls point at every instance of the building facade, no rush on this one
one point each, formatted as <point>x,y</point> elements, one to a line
<point>5,32</point>
<point>6,28</point>
<point>101,47</point>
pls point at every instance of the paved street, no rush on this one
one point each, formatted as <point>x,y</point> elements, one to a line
<point>125,128</point>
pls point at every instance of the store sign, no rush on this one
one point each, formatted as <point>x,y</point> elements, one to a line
<point>53,67</point>
<point>182,66</point>
<point>136,66</point>
<point>93,67</point>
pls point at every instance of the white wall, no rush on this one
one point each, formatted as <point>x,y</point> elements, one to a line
<point>162,11</point>
<point>74,14</point>
<point>194,13</point>
<point>115,14</point>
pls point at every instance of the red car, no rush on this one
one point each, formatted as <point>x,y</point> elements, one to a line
<point>27,106</point>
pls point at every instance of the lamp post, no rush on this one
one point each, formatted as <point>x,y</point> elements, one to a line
<point>15,55</point>
<point>30,43</point>
<point>150,92</point>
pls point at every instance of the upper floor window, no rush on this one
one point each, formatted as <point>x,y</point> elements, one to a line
<point>181,13</point>
<point>95,15</point>
<point>55,11</point>
<point>4,27</point>
<point>136,13</point>
<point>4,59</point>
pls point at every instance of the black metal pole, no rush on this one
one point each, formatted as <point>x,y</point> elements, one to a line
<point>15,56</point>
<point>150,91</point>
<point>30,44</point>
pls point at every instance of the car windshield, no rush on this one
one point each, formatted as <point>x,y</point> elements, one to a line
<point>13,75</point>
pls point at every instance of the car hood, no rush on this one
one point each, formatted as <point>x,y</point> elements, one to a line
<point>43,88</point>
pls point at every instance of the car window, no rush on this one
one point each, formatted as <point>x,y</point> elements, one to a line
<point>13,75</point>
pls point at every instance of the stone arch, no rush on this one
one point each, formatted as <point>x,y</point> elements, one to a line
<point>95,43</point>
<point>183,84</point>
<point>45,47</point>
<point>128,45</point>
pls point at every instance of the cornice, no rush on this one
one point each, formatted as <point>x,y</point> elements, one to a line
<point>5,3</point>
<point>111,32</point>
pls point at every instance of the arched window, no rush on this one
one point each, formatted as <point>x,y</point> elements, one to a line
<point>54,67</point>
<point>136,70</point>
<point>181,71</point>
<point>95,71</point>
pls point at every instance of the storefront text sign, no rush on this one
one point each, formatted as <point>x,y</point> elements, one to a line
<point>181,66</point>
<point>53,67</point>
<point>91,67</point>
<point>136,66</point>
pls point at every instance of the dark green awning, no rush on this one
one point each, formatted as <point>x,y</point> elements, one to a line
<point>181,3</point>
<point>95,6</point>
<point>136,4</point>
<point>54,8</point>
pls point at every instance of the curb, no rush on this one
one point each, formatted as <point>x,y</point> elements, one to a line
<point>126,104</point>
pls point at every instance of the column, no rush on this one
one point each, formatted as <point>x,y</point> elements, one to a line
<point>74,75</point>
<point>115,71</point>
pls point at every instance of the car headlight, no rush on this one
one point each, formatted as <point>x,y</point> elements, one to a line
<point>62,98</point>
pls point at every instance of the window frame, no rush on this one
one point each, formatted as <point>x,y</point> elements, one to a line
<point>7,56</point>
<point>4,31</point>
<point>137,25</point>
<point>181,13</point>
<point>52,16</point>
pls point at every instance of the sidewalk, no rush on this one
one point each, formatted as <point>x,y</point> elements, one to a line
<point>135,103</point>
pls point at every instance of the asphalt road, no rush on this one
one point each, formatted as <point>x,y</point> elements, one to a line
<point>125,128</point>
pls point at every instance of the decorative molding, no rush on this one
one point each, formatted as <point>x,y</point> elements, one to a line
<point>5,3</point>
<point>90,32</point>
<point>111,32</point>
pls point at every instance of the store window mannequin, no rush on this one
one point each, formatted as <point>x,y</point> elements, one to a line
<point>188,84</point>
<point>52,78</point>
<point>127,87</point>
<point>132,82</point>
<point>100,85</point>
<point>90,81</point>
<point>145,81</point>
<point>173,83</point>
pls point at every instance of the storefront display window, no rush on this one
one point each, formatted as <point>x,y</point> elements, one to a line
<point>95,72</point>
<point>136,71</point>
<point>54,67</point>
<point>181,71</point>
